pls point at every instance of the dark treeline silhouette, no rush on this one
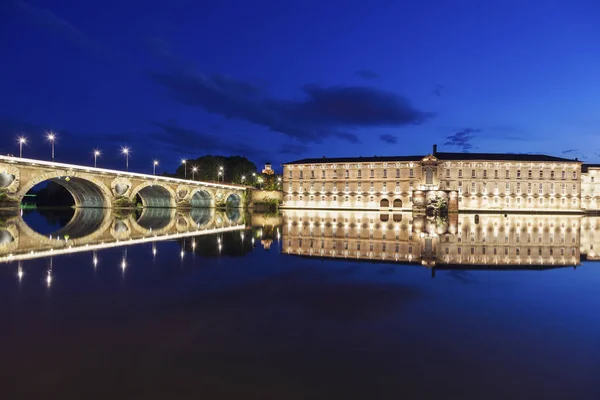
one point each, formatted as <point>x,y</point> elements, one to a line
<point>234,168</point>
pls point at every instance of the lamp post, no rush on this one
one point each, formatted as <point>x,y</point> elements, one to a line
<point>96,155</point>
<point>194,169</point>
<point>243,179</point>
<point>22,141</point>
<point>183,161</point>
<point>254,178</point>
<point>125,151</point>
<point>154,164</point>
<point>51,136</point>
<point>222,173</point>
<point>278,181</point>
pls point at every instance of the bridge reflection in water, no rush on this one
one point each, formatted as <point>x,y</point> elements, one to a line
<point>458,241</point>
<point>94,229</point>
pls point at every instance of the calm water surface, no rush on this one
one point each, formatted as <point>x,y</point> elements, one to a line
<point>231,310</point>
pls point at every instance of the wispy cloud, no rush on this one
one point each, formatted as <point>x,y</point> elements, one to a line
<point>292,148</point>
<point>366,74</point>
<point>386,138</point>
<point>462,139</point>
<point>438,90</point>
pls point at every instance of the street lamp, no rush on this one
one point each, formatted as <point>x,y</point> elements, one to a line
<point>154,164</point>
<point>22,141</point>
<point>96,155</point>
<point>183,161</point>
<point>194,169</point>
<point>125,150</point>
<point>221,173</point>
<point>51,136</point>
<point>243,178</point>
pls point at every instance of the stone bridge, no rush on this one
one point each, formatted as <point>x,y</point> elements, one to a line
<point>105,188</point>
<point>96,228</point>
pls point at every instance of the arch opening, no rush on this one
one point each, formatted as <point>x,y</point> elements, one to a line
<point>155,196</point>
<point>156,218</point>
<point>397,203</point>
<point>233,201</point>
<point>384,203</point>
<point>201,198</point>
<point>201,216</point>
<point>67,222</point>
<point>65,191</point>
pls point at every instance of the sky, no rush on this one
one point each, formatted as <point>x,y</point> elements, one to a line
<point>283,80</point>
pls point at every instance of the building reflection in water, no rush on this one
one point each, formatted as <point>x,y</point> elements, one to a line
<point>459,240</point>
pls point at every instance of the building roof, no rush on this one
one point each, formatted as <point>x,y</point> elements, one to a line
<point>440,156</point>
<point>585,167</point>
<point>324,160</point>
<point>500,157</point>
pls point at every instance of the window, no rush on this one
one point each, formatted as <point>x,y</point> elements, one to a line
<point>459,186</point>
<point>552,174</point>
<point>312,198</point>
<point>397,172</point>
<point>312,185</point>
<point>574,188</point>
<point>563,175</point>
<point>507,189</point>
<point>563,188</point>
<point>301,175</point>
<point>359,186</point>
<point>397,186</point>
<point>345,198</point>
<point>574,175</point>
<point>372,187</point>
<point>300,198</point>
<point>334,198</point>
<point>529,174</point>
<point>334,187</point>
<point>323,174</point>
<point>485,173</point>
<point>334,174</point>
<point>312,174</point>
<point>473,187</point>
<point>385,173</point>
<point>473,173</point>
<point>429,176</point>
<point>552,188</point>
<point>290,174</point>
<point>346,187</point>
<point>507,174</point>
<point>347,174</point>
<point>592,179</point>
<point>496,173</point>
<point>411,172</point>
<point>385,186</point>
<point>518,174</point>
<point>529,188</point>
<point>322,198</point>
<point>372,173</point>
<point>447,173</point>
<point>541,189</point>
<point>359,199</point>
<point>360,173</point>
<point>541,174</point>
<point>460,173</point>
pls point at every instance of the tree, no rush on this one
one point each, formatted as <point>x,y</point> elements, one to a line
<point>208,168</point>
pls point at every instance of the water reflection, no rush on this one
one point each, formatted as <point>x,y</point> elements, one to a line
<point>21,237</point>
<point>458,241</point>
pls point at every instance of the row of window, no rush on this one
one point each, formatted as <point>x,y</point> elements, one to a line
<point>411,174</point>
<point>507,174</point>
<point>474,174</point>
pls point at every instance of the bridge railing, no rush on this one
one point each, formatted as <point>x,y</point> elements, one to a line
<point>104,171</point>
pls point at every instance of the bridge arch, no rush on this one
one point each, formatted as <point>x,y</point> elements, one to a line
<point>201,198</point>
<point>154,194</point>
<point>233,200</point>
<point>154,221</point>
<point>87,191</point>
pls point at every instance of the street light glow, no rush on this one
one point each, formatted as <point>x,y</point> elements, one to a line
<point>22,140</point>
<point>125,150</point>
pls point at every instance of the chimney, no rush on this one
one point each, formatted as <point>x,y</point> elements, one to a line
<point>434,149</point>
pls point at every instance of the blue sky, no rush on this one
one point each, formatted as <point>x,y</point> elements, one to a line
<point>278,81</point>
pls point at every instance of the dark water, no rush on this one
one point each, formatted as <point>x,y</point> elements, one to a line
<point>233,315</point>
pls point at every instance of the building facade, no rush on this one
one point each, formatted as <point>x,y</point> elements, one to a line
<point>466,181</point>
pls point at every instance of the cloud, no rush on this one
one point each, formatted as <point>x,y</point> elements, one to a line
<point>388,139</point>
<point>366,74</point>
<point>292,148</point>
<point>437,90</point>
<point>323,112</point>
<point>462,139</point>
<point>570,151</point>
<point>53,22</point>
<point>187,141</point>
